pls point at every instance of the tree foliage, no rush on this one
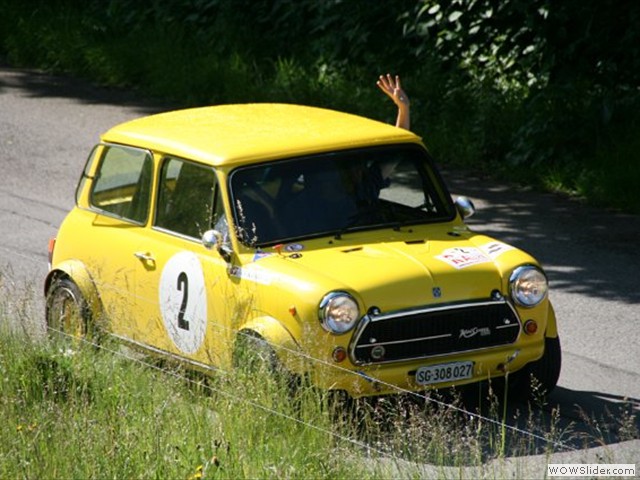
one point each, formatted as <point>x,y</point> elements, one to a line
<point>535,84</point>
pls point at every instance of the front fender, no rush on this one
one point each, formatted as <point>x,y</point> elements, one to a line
<point>279,337</point>
<point>77,272</point>
<point>552,326</point>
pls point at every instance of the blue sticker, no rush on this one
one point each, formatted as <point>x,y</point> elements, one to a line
<point>258,255</point>
<point>294,247</point>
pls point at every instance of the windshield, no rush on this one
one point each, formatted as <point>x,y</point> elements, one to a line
<point>331,194</point>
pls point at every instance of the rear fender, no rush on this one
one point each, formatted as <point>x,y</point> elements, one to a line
<point>77,272</point>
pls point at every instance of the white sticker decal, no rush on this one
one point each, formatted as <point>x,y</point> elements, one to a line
<point>252,273</point>
<point>183,301</point>
<point>260,255</point>
<point>495,249</point>
<point>462,257</point>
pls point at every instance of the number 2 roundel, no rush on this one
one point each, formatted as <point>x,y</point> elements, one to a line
<point>183,301</point>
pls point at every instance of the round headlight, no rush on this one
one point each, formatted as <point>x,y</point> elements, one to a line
<point>338,312</point>
<point>528,286</point>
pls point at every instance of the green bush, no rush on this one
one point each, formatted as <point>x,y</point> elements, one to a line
<point>540,90</point>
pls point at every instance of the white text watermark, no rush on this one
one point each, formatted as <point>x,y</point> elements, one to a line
<point>591,470</point>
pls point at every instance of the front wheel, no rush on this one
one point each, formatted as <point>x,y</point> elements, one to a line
<point>68,315</point>
<point>255,357</point>
<point>539,378</point>
<point>547,370</point>
<point>253,353</point>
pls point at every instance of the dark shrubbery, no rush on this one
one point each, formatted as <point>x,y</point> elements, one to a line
<point>547,91</point>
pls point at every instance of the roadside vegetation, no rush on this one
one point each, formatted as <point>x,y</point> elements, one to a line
<point>82,411</point>
<point>534,91</point>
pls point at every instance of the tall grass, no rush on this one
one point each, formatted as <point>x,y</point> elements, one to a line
<point>82,410</point>
<point>87,413</point>
<point>82,413</point>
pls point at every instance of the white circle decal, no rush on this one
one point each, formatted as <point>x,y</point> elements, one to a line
<point>183,301</point>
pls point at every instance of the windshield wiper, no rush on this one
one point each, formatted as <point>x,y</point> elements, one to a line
<point>395,226</point>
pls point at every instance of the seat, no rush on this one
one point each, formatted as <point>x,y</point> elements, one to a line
<point>190,208</point>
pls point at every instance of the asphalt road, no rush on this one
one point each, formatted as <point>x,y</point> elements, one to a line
<point>49,124</point>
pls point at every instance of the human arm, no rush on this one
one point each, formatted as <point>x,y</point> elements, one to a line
<point>391,86</point>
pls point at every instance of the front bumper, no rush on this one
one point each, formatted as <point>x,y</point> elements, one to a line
<point>396,378</point>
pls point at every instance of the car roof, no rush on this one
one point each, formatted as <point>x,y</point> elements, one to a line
<point>246,133</point>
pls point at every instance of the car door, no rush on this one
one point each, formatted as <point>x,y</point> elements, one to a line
<point>181,286</point>
<point>117,207</point>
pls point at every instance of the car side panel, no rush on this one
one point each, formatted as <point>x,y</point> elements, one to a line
<point>185,300</point>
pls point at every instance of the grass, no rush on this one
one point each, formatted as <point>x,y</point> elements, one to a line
<point>82,413</point>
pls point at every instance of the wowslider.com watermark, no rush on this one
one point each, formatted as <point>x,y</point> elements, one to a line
<point>591,470</point>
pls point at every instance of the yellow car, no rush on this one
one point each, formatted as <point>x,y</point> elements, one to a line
<point>327,239</point>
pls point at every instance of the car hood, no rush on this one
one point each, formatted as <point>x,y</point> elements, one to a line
<point>405,272</point>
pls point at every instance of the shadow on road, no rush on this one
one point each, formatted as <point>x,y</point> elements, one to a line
<point>584,250</point>
<point>473,426</point>
<point>44,85</point>
<point>564,421</point>
<point>595,418</point>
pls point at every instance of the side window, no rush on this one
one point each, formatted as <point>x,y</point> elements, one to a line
<point>185,201</point>
<point>122,184</point>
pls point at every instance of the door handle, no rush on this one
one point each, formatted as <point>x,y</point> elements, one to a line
<point>144,257</point>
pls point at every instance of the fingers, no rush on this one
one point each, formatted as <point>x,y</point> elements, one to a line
<point>388,83</point>
<point>384,86</point>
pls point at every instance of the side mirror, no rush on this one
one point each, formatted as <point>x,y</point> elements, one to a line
<point>214,239</point>
<point>465,207</point>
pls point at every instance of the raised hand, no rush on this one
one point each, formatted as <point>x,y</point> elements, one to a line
<point>391,86</point>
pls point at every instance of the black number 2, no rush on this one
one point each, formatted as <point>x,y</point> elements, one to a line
<point>183,286</point>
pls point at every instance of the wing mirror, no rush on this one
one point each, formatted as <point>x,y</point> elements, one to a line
<point>214,239</point>
<point>465,207</point>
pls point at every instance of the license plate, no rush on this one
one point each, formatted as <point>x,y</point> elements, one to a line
<point>444,372</point>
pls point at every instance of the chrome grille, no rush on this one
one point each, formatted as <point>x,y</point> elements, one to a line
<point>428,332</point>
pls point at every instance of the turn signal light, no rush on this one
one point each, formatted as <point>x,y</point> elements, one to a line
<point>339,354</point>
<point>530,327</point>
<point>51,247</point>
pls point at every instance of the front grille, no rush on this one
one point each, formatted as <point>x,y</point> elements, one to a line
<point>434,331</point>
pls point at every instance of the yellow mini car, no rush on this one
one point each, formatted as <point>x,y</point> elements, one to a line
<point>325,238</point>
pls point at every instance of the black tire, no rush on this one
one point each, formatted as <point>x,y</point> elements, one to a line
<point>254,355</point>
<point>539,378</point>
<point>547,369</point>
<point>67,312</point>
